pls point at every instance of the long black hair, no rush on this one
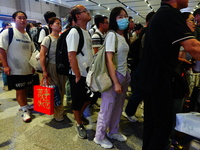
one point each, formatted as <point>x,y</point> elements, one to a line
<point>186,15</point>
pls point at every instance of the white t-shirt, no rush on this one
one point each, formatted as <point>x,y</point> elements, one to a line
<point>93,30</point>
<point>18,52</point>
<point>42,34</point>
<point>72,40</point>
<point>52,51</point>
<point>122,51</point>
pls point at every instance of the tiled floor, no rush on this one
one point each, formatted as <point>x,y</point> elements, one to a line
<point>43,133</point>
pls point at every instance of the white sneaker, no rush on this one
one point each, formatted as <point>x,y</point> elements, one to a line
<point>26,116</point>
<point>118,136</point>
<point>130,118</point>
<point>105,143</point>
<point>30,107</point>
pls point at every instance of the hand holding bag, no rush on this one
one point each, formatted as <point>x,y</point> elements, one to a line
<point>44,99</point>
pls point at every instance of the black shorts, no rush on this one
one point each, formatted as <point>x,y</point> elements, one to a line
<point>78,92</point>
<point>19,82</point>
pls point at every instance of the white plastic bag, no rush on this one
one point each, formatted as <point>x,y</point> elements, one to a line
<point>35,60</point>
<point>188,123</point>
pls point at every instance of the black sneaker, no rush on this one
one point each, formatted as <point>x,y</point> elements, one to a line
<point>84,120</point>
<point>81,131</point>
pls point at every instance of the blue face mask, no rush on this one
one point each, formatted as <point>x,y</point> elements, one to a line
<point>122,23</point>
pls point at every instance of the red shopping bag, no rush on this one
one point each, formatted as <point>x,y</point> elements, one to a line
<point>44,99</point>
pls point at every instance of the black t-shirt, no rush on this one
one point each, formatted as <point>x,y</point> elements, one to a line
<point>165,31</point>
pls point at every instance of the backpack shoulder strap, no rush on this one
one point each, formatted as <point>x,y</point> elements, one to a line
<point>99,36</point>
<point>81,40</point>
<point>116,40</point>
<point>10,35</point>
<point>116,45</point>
<point>49,46</point>
<point>46,30</point>
<point>94,30</point>
<point>90,34</point>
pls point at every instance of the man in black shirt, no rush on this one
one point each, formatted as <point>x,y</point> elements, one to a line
<point>166,32</point>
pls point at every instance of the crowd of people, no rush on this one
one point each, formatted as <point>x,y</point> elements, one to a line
<point>153,59</point>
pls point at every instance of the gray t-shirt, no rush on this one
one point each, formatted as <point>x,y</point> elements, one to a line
<point>52,50</point>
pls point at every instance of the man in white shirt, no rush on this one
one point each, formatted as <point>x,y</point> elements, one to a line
<point>45,30</point>
<point>79,64</point>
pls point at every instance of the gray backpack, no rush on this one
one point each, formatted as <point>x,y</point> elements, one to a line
<point>98,78</point>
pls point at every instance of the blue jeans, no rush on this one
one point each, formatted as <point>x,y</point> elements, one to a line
<point>4,76</point>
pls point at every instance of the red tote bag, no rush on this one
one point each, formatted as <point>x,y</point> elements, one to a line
<point>44,99</point>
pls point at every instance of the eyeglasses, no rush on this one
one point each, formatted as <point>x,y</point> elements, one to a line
<point>84,11</point>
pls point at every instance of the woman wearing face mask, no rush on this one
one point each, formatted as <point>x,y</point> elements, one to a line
<point>113,99</point>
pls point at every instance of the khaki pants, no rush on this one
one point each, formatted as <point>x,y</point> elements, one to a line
<point>59,80</point>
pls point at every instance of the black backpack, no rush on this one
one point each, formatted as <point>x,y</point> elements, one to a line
<point>62,60</point>
<point>36,38</point>
<point>10,35</point>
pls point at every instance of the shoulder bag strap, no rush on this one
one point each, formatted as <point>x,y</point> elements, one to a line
<point>47,56</point>
<point>99,36</point>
